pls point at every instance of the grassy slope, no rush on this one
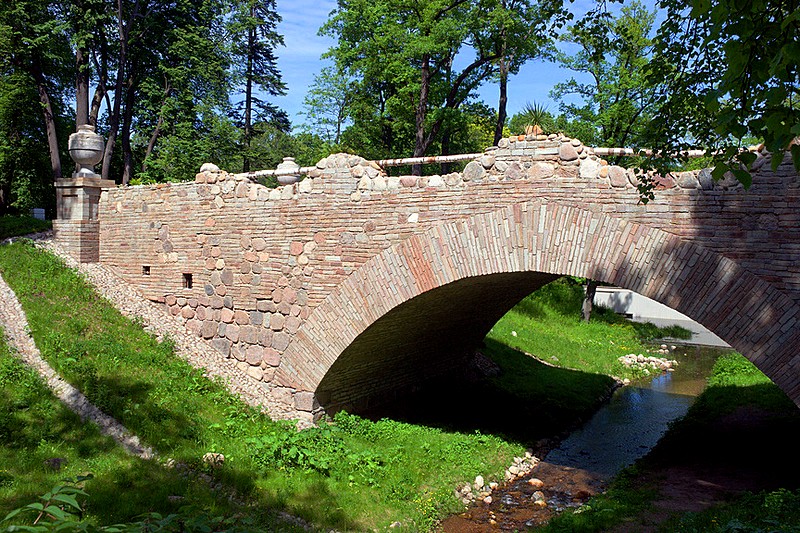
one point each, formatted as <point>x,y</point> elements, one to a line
<point>355,474</point>
<point>547,325</point>
<point>14,226</point>
<point>36,428</point>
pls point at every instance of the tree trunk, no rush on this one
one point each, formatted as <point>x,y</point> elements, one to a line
<point>125,138</point>
<point>114,118</point>
<point>445,167</point>
<point>152,143</point>
<point>49,119</point>
<point>97,100</point>
<point>502,102</point>
<point>422,108</point>
<point>81,87</point>
<point>248,95</point>
<point>588,299</point>
<point>157,131</point>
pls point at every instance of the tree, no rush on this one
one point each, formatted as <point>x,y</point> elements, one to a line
<point>730,71</point>
<point>516,31</point>
<point>327,104</point>
<point>34,43</point>
<point>254,42</point>
<point>181,82</point>
<point>403,54</point>
<point>616,54</point>
<point>25,170</point>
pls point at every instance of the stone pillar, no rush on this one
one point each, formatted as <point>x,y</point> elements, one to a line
<point>76,226</point>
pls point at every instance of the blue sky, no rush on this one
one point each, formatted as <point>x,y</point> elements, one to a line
<point>300,59</point>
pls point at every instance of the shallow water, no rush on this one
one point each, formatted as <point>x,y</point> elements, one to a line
<point>636,417</point>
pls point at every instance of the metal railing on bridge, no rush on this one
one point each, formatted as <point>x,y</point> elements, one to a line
<point>439,159</point>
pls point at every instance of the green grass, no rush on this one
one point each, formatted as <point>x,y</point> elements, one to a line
<point>43,443</point>
<point>548,325</point>
<point>777,510</point>
<point>14,226</point>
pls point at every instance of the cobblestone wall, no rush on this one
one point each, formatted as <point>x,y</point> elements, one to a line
<point>285,281</point>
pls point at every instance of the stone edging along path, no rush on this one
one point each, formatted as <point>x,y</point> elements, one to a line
<point>155,319</point>
<point>15,326</point>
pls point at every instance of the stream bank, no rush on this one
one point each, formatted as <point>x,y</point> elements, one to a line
<point>580,465</point>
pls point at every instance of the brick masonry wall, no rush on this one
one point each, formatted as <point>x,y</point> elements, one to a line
<point>288,281</point>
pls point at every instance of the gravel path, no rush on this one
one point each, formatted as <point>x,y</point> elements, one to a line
<point>15,327</point>
<point>161,323</point>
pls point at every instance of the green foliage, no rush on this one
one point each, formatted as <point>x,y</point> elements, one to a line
<point>548,325</point>
<point>313,449</point>
<point>326,105</point>
<point>616,54</point>
<point>734,370</point>
<point>15,226</point>
<point>536,114</point>
<point>730,70</point>
<point>395,81</point>
<point>60,510</point>
<point>777,510</point>
<point>34,57</point>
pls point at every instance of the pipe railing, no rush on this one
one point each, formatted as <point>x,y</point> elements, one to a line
<point>438,159</point>
<point>277,172</point>
<point>428,160</point>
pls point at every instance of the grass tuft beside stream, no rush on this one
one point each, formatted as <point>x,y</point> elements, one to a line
<point>547,325</point>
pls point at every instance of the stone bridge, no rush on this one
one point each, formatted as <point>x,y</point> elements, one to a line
<point>351,286</point>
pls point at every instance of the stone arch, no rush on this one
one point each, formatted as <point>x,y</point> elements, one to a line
<point>555,239</point>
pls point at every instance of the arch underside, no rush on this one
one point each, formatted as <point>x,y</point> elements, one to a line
<point>418,309</point>
<point>424,339</point>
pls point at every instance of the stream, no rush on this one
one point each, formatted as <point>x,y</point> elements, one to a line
<point>620,432</point>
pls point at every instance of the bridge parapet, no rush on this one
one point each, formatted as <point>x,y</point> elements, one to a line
<point>552,157</point>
